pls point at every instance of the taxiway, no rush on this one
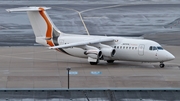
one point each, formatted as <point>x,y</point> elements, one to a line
<point>38,67</point>
<point>27,65</point>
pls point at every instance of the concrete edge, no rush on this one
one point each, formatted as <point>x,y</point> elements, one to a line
<point>135,89</point>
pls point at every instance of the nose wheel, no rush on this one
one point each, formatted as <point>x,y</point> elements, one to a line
<point>161,65</point>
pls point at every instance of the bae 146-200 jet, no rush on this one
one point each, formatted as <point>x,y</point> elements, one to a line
<point>94,48</point>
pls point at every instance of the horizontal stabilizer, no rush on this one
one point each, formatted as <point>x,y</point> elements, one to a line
<point>27,9</point>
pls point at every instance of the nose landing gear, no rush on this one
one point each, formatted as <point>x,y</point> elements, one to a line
<point>161,65</point>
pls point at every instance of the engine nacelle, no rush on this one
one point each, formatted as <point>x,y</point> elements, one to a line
<point>96,54</point>
<point>109,52</point>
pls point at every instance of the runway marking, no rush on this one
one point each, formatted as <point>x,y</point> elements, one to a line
<point>79,13</point>
<point>96,72</point>
<point>96,17</point>
<point>103,7</point>
<point>73,72</point>
<point>83,23</point>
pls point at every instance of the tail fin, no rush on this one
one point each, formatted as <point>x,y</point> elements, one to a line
<point>45,31</point>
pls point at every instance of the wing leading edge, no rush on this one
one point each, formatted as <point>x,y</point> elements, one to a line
<point>82,43</point>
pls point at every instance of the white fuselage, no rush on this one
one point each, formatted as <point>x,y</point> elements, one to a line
<point>127,49</point>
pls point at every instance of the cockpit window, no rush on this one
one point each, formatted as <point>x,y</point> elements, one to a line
<point>160,48</point>
<point>150,48</point>
<point>155,48</point>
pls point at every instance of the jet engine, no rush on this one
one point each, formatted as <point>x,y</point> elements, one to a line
<point>95,54</point>
<point>108,52</point>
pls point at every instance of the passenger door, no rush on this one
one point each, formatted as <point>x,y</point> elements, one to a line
<point>141,49</point>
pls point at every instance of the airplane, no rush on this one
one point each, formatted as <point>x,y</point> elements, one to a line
<point>93,48</point>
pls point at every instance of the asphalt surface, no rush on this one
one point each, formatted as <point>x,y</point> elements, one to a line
<point>154,19</point>
<point>39,68</point>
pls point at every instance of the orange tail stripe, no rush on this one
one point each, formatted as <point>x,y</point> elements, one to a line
<point>50,43</point>
<point>49,27</point>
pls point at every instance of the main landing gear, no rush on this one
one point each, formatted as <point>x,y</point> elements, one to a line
<point>110,61</point>
<point>161,65</point>
<point>94,63</point>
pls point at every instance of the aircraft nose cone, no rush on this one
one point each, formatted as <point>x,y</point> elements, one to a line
<point>171,57</point>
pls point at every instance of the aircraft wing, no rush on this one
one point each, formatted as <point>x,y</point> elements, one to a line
<point>82,43</point>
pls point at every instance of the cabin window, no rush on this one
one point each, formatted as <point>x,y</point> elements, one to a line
<point>135,47</point>
<point>124,47</point>
<point>114,46</point>
<point>129,47</point>
<point>120,46</point>
<point>132,47</point>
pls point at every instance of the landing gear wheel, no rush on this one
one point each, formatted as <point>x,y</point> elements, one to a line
<point>110,61</point>
<point>161,65</point>
<point>94,63</point>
